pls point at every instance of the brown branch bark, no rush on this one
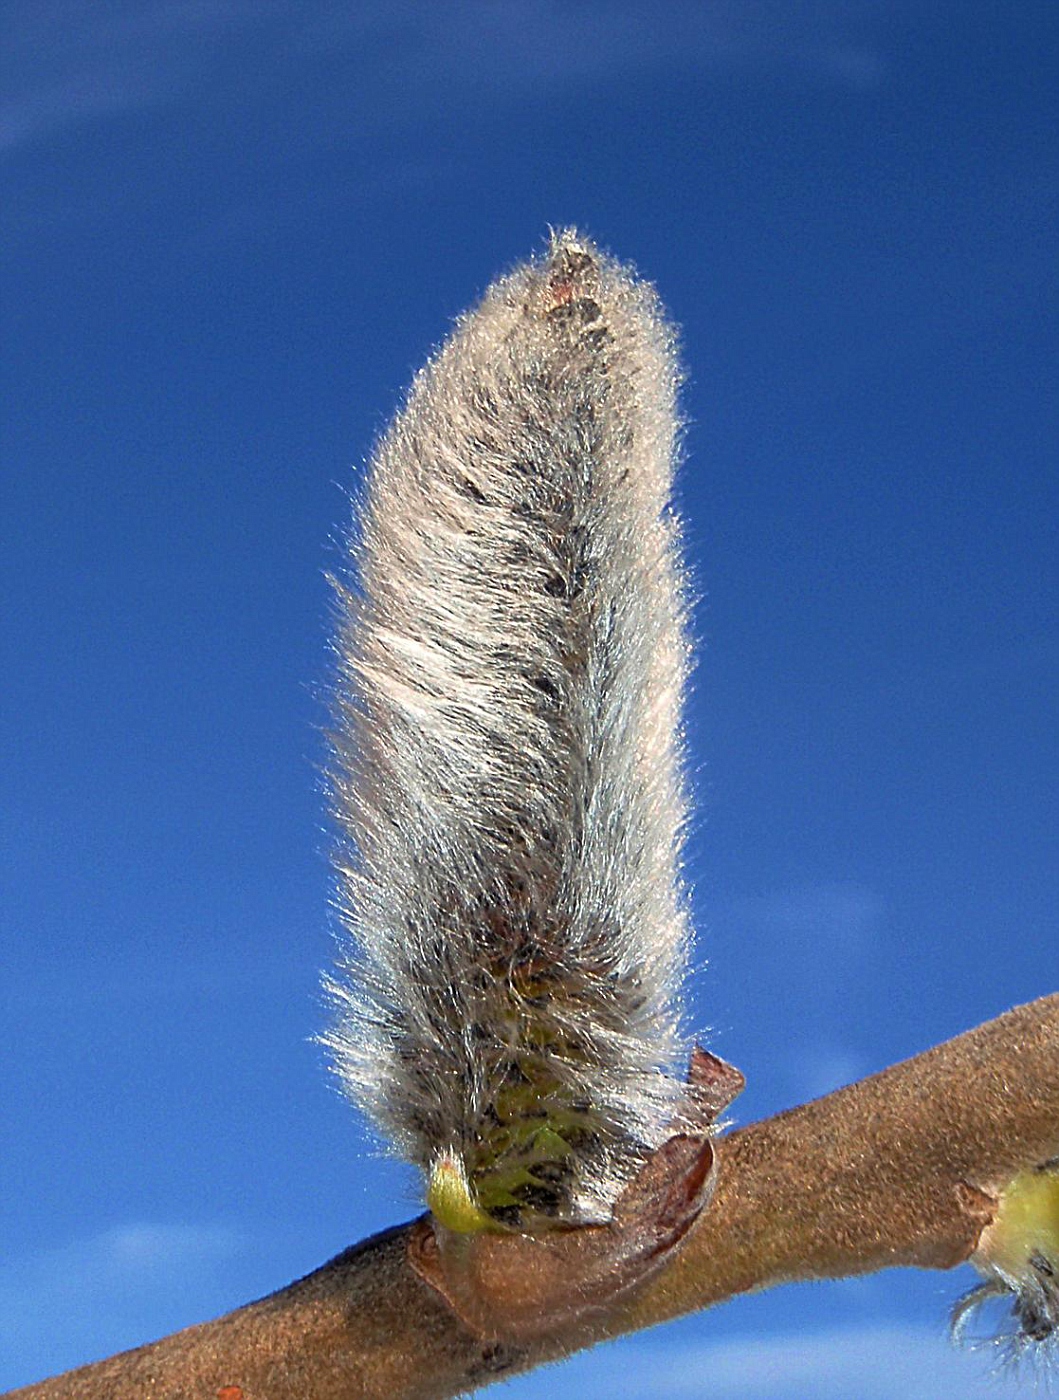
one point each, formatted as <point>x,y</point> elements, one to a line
<point>901,1168</point>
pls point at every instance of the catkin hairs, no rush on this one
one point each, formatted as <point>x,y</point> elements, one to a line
<point>506,758</point>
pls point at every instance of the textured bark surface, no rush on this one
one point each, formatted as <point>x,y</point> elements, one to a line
<point>901,1168</point>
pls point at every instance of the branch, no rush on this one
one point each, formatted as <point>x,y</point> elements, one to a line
<point>903,1168</point>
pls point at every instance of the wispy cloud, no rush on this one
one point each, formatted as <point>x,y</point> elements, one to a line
<point>856,1363</point>
<point>837,917</point>
<point>71,64</point>
<point>824,939</point>
<point>548,41</point>
<point>125,1254</point>
<point>827,932</point>
<point>63,1306</point>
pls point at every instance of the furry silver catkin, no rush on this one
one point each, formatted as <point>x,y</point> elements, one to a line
<point>506,771</point>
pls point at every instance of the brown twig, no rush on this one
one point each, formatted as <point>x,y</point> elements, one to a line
<point>900,1168</point>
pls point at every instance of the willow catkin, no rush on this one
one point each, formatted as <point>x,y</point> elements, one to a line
<point>506,768</point>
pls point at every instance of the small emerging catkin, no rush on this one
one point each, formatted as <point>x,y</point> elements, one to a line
<point>506,763</point>
<point>1018,1257</point>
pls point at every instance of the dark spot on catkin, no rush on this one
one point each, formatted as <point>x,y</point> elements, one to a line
<point>547,687</point>
<point>468,488</point>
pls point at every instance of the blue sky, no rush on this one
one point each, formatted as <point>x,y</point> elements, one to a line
<point>230,233</point>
